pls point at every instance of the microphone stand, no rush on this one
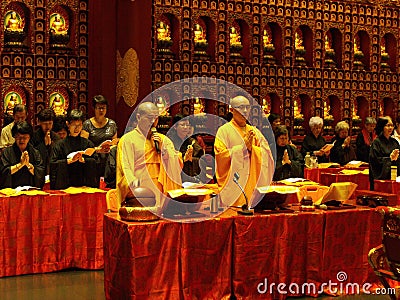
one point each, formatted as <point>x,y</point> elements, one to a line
<point>245,208</point>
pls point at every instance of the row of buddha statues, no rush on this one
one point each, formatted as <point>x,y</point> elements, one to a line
<point>15,28</point>
<point>236,45</point>
<point>57,102</point>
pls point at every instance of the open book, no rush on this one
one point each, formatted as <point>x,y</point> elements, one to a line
<point>355,164</point>
<point>327,147</point>
<point>88,151</point>
<point>189,192</point>
<point>109,143</point>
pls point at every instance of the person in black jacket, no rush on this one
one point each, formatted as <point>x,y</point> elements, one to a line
<point>342,152</point>
<point>289,161</point>
<point>20,163</point>
<point>365,139</point>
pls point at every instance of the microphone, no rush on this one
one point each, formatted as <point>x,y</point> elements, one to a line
<point>156,144</point>
<point>245,208</point>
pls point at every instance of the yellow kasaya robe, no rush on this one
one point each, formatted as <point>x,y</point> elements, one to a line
<point>256,168</point>
<point>139,162</point>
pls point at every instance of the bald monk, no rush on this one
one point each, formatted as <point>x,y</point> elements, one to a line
<point>139,163</point>
<point>241,148</point>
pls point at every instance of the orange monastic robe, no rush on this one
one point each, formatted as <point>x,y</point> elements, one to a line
<point>256,168</point>
<point>138,163</point>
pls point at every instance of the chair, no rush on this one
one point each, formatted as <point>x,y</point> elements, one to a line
<point>385,259</point>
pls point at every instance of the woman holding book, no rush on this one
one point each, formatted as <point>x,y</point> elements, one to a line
<point>73,159</point>
<point>314,143</point>
<point>100,130</point>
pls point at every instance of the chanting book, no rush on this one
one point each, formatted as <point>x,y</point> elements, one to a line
<point>88,151</point>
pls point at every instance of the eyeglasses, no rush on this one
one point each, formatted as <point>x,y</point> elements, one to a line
<point>242,107</point>
<point>101,107</point>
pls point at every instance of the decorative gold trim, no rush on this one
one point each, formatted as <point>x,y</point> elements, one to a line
<point>128,77</point>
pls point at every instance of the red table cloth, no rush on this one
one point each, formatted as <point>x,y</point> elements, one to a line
<point>238,255</point>
<point>51,232</point>
<point>167,260</point>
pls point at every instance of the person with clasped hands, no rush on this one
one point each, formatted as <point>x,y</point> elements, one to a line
<point>384,152</point>
<point>147,158</point>
<point>240,147</point>
<point>20,163</point>
<point>342,152</point>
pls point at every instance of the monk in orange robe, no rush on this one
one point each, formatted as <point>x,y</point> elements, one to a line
<point>240,147</point>
<point>140,163</point>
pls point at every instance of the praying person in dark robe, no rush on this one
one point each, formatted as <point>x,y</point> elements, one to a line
<point>44,138</point>
<point>314,143</point>
<point>190,149</point>
<point>342,152</point>
<point>68,166</point>
<point>110,176</point>
<point>384,152</point>
<point>365,138</point>
<point>289,161</point>
<point>20,163</point>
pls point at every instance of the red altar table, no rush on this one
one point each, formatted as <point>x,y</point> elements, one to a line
<point>388,186</point>
<point>348,237</point>
<point>167,260</point>
<point>283,248</point>
<point>220,257</point>
<point>52,232</point>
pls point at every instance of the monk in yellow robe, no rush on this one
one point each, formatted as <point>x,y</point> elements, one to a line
<point>141,163</point>
<point>241,148</point>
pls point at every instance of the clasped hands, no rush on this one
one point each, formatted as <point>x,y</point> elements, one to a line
<point>394,155</point>
<point>77,157</point>
<point>248,139</point>
<point>25,160</point>
<point>285,158</point>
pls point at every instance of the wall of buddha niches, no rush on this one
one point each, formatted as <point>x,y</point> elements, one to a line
<point>44,55</point>
<point>298,58</point>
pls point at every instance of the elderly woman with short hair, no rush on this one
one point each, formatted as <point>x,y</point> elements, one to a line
<point>314,142</point>
<point>342,152</point>
<point>365,139</point>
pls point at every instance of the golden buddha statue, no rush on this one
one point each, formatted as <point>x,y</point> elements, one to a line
<point>199,35</point>
<point>298,41</point>
<point>266,38</point>
<point>57,25</point>
<point>296,110</point>
<point>327,43</point>
<point>163,33</point>
<point>198,106</point>
<point>356,48</point>
<point>354,114</point>
<point>58,105</point>
<point>161,105</point>
<point>14,22</point>
<point>327,111</point>
<point>234,37</point>
<point>265,106</point>
<point>11,103</point>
